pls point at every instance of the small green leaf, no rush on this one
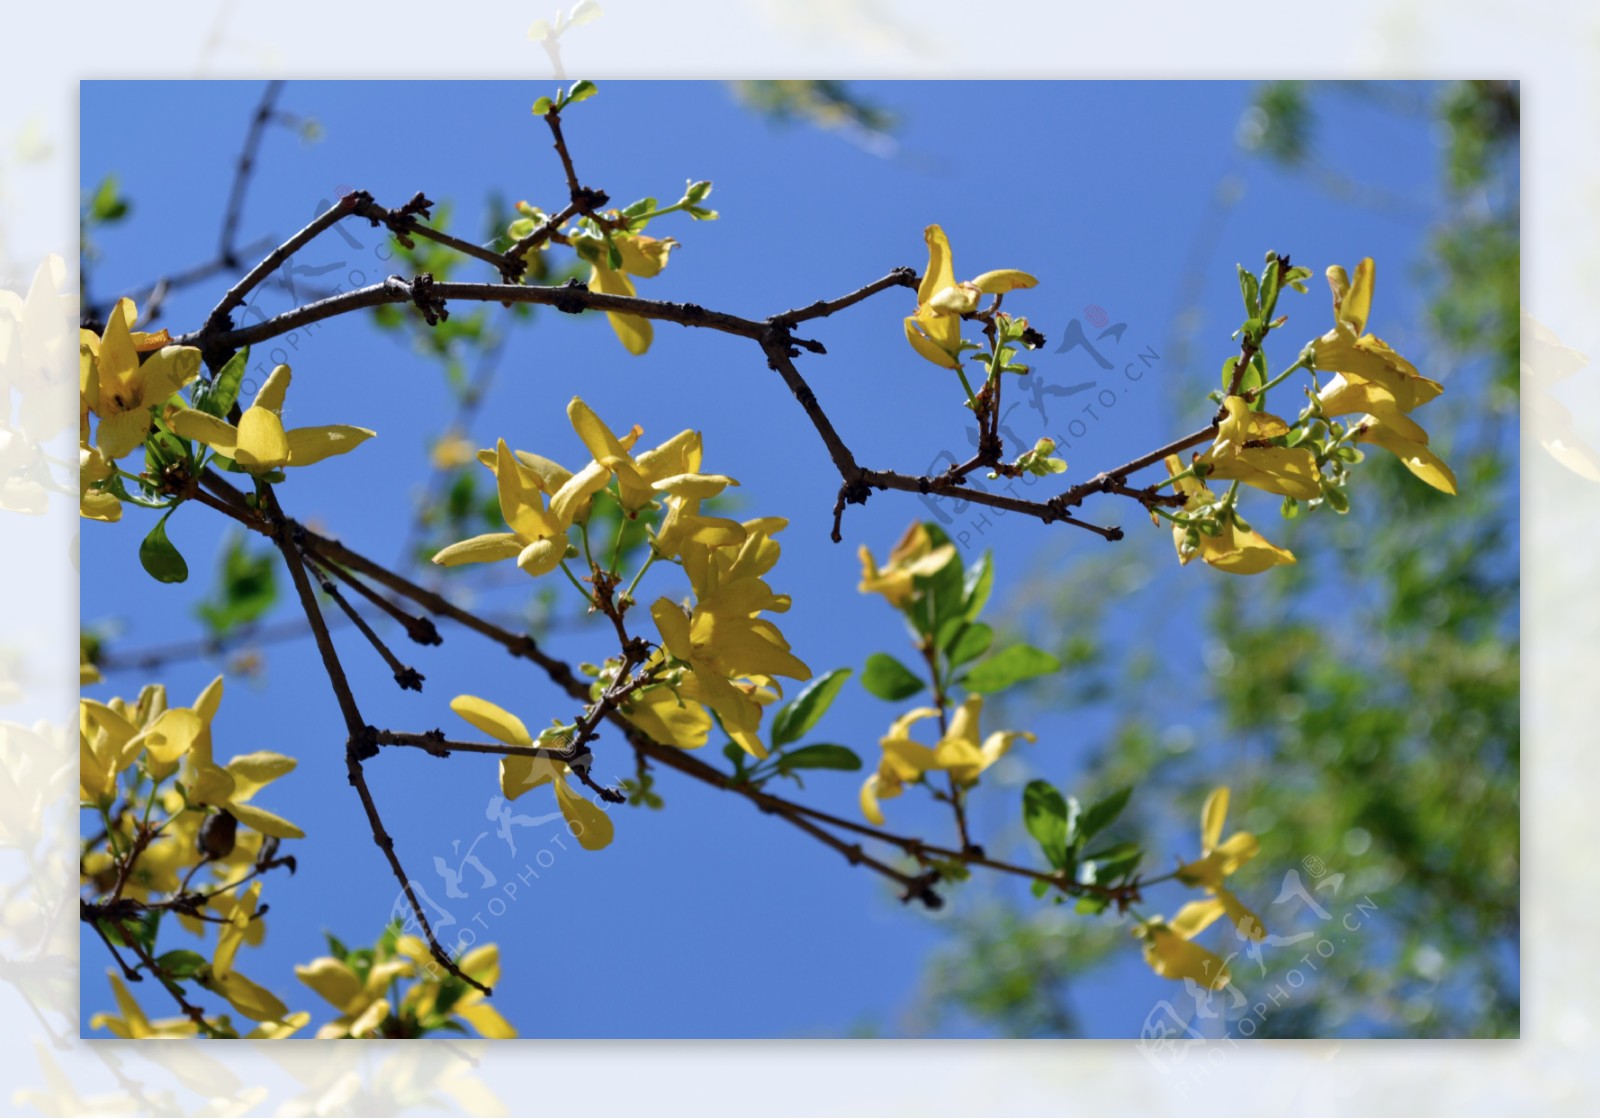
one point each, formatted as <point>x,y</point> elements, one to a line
<point>973,642</point>
<point>160,558</point>
<point>1010,666</point>
<point>1092,903</point>
<point>1251,291</point>
<point>1044,813</point>
<point>800,714</point>
<point>821,755</point>
<point>542,106</point>
<point>888,679</point>
<point>224,389</point>
<point>180,963</point>
<point>107,205</point>
<point>1100,815</point>
<point>580,91</point>
<point>336,947</point>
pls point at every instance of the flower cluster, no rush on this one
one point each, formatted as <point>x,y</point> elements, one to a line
<point>364,987</point>
<point>613,244</point>
<point>961,752</point>
<point>1169,946</point>
<point>169,810</point>
<point>1306,462</point>
<point>718,656</point>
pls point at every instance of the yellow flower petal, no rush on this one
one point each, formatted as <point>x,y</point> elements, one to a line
<point>272,392</point>
<point>486,1020</point>
<point>941,271</point>
<point>334,981</point>
<point>487,548</point>
<point>313,444</point>
<point>496,722</point>
<point>262,443</point>
<point>589,824</point>
<point>202,427</point>
<point>1212,818</point>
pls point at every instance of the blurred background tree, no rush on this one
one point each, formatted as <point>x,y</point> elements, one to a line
<point>1379,734</point>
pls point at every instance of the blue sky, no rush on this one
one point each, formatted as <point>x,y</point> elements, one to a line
<point>708,919</point>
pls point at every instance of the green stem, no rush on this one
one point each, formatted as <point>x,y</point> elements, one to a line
<point>966,384</point>
<point>640,573</point>
<point>573,579</point>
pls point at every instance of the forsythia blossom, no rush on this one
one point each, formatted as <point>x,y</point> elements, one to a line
<point>1230,548</point>
<point>122,390</point>
<point>934,329</point>
<point>260,444</point>
<point>960,752</point>
<point>1375,382</point>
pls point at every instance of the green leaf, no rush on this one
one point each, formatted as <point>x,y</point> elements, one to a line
<point>821,755</point>
<point>1044,813</point>
<point>1269,288</point>
<point>1093,903</point>
<point>1010,666</point>
<point>142,928</point>
<point>107,204</point>
<point>580,91</point>
<point>1251,291</point>
<point>160,558</point>
<point>180,963</point>
<point>224,389</point>
<point>800,714</point>
<point>1110,863</point>
<point>973,642</point>
<point>542,106</point>
<point>1099,815</point>
<point>336,947</point>
<point>888,679</point>
<point>246,587</point>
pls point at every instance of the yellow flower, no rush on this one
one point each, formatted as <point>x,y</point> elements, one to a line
<point>538,536</point>
<point>588,822</point>
<point>1170,950</point>
<point>1218,859</point>
<point>247,997</point>
<point>665,714</point>
<point>1238,454</point>
<point>230,789</point>
<point>116,386</point>
<point>914,555</point>
<point>361,1001</point>
<point>1364,357</point>
<point>93,503</point>
<point>722,639</point>
<point>1233,549</point>
<point>642,256</point>
<point>421,1003</point>
<point>134,1025</point>
<point>671,468</point>
<point>260,444</point>
<point>1386,424</point>
<point>959,752</point>
<point>934,330</point>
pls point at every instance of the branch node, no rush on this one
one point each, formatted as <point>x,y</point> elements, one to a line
<point>571,304</point>
<point>362,744</point>
<point>428,301</point>
<point>409,679</point>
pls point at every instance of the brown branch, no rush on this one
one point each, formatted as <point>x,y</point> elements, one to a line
<point>244,171</point>
<point>288,536</point>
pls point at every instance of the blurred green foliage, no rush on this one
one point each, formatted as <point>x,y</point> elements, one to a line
<point>1367,699</point>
